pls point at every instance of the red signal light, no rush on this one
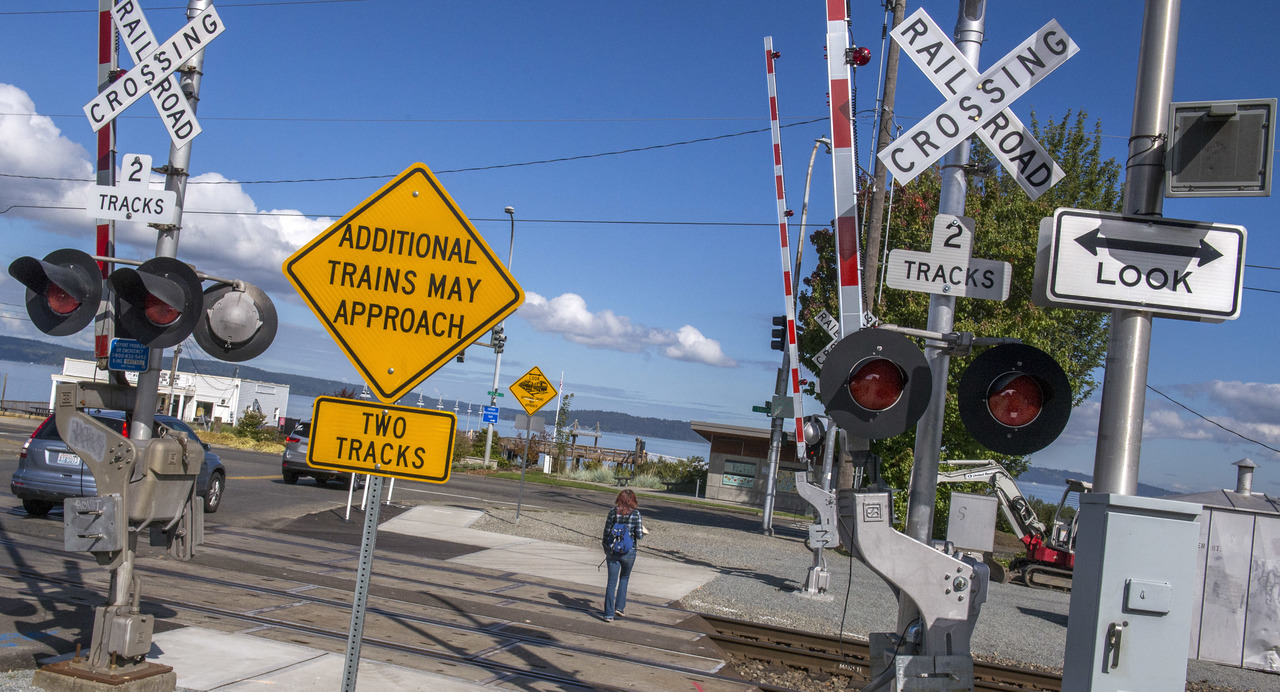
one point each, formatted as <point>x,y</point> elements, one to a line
<point>159,312</point>
<point>1015,399</point>
<point>858,56</point>
<point>59,300</point>
<point>877,384</point>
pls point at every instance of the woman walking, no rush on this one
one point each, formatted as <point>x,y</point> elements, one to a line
<point>622,529</point>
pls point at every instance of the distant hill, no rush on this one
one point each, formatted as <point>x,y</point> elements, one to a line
<point>40,352</point>
<point>1035,474</point>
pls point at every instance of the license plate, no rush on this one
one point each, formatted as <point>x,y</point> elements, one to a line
<point>65,459</point>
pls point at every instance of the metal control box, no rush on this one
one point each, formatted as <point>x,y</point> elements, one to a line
<point>93,524</point>
<point>971,522</point>
<point>1131,595</point>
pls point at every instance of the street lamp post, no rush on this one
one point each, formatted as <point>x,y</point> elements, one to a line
<point>497,358</point>
<point>780,385</point>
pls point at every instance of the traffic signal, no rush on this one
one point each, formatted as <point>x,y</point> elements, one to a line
<point>779,342</point>
<point>63,290</point>
<point>875,383</point>
<point>499,339</point>
<point>160,301</point>
<point>237,322</point>
<point>1014,399</point>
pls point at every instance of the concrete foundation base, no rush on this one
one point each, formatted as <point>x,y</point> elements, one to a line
<point>76,676</point>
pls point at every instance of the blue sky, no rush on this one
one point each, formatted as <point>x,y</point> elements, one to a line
<point>651,275</point>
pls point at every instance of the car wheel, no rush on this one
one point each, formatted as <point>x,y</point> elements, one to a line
<point>213,496</point>
<point>290,478</point>
<point>37,508</point>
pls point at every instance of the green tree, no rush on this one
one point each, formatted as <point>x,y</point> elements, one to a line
<point>562,433</point>
<point>1007,223</point>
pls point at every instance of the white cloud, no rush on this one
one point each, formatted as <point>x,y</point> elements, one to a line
<point>1235,410</point>
<point>568,315</point>
<point>45,169</point>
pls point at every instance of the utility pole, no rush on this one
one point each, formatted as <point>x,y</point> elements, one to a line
<point>875,217</point>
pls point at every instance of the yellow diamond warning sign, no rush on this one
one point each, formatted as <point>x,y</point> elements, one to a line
<point>533,390</point>
<point>394,441</point>
<point>403,283</point>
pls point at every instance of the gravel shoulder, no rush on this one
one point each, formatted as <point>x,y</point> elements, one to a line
<point>762,580</point>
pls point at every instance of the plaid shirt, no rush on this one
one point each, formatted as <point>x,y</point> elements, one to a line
<point>633,520</point>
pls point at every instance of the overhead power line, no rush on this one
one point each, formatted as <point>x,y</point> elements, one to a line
<point>561,159</point>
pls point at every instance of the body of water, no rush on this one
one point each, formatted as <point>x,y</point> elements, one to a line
<point>300,407</point>
<point>27,381</point>
<point>1043,492</point>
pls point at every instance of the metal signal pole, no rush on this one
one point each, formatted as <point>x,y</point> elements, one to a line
<point>1124,384</point>
<point>923,488</point>
<point>497,357</point>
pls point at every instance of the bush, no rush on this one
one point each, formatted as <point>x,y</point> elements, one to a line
<point>250,427</point>
<point>681,472</point>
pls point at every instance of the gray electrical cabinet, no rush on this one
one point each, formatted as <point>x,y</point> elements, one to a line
<point>1132,595</point>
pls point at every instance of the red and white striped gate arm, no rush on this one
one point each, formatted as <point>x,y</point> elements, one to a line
<point>844,170</point>
<point>108,61</point>
<point>784,237</point>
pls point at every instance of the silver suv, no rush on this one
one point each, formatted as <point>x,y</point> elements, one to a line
<point>293,463</point>
<point>49,472</point>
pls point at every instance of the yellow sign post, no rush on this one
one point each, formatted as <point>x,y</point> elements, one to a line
<point>533,390</point>
<point>382,440</point>
<point>403,283</point>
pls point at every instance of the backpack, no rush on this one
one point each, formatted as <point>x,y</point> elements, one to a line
<point>620,540</point>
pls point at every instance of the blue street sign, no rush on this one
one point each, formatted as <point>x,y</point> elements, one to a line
<point>128,354</point>
<point>490,414</point>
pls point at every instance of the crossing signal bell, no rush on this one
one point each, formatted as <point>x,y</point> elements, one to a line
<point>815,435</point>
<point>1014,399</point>
<point>63,290</point>
<point>237,322</point>
<point>875,384</point>
<point>160,301</point>
<point>779,342</point>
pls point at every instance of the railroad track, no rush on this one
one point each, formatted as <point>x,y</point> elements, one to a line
<point>544,643</point>
<point>850,658</point>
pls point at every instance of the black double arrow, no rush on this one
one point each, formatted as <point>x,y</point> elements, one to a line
<point>1204,253</point>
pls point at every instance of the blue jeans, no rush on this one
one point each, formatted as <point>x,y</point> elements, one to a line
<point>615,593</point>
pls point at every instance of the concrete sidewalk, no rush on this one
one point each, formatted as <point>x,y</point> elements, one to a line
<point>652,576</point>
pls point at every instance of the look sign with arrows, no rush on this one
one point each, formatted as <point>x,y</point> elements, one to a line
<point>1097,260</point>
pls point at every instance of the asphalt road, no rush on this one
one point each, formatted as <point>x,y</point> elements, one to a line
<point>257,497</point>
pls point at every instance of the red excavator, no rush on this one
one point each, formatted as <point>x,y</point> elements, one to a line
<point>1050,556</point>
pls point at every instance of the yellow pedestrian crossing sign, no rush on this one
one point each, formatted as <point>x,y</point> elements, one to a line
<point>533,390</point>
<point>403,283</point>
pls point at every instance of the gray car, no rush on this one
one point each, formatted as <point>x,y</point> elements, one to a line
<point>293,463</point>
<point>49,472</point>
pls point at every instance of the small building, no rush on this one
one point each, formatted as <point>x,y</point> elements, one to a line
<point>194,396</point>
<point>739,466</point>
<point>1236,614</point>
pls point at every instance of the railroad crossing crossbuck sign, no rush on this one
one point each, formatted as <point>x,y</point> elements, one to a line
<point>978,103</point>
<point>949,268</point>
<point>533,391</point>
<point>403,283</point>
<point>153,66</point>
<point>1100,261</point>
